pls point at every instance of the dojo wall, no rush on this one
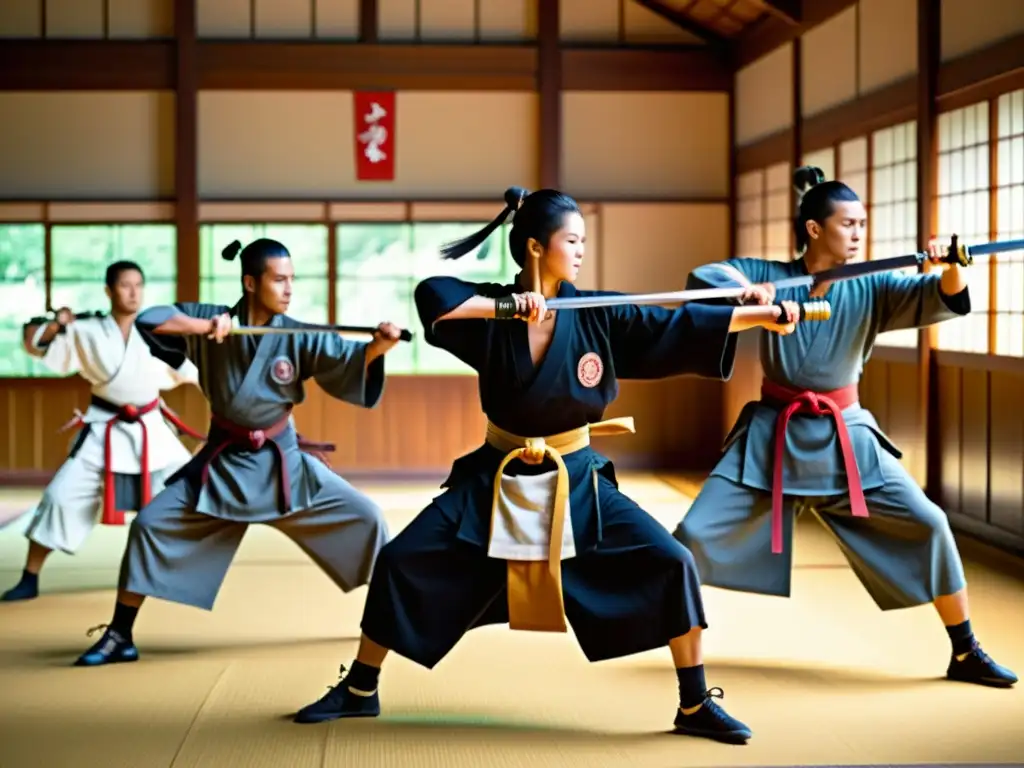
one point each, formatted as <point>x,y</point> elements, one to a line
<point>653,180</point>
<point>857,75</point>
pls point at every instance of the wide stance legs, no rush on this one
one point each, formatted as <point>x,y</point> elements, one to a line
<point>636,591</point>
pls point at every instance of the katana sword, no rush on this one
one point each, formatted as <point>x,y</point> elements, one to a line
<point>342,330</point>
<point>958,254</point>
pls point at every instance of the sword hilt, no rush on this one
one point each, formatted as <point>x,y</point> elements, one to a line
<point>814,311</point>
<point>958,254</point>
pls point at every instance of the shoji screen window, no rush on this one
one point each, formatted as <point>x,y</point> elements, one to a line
<point>824,159</point>
<point>778,212</point>
<point>750,203</point>
<point>1009,267</point>
<point>964,211</point>
<point>892,215</point>
<point>853,165</point>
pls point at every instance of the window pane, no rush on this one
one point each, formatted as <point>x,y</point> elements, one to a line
<point>379,266</point>
<point>892,225</point>
<point>82,253</point>
<point>371,300</point>
<point>964,211</point>
<point>375,250</point>
<point>1009,183</point>
<point>488,263</point>
<point>22,293</point>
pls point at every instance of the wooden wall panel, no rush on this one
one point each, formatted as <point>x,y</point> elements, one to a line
<point>679,157</point>
<point>95,145</point>
<point>140,19</point>
<point>982,446</point>
<point>888,389</point>
<point>1006,453</point>
<point>420,427</point>
<point>70,19</point>
<point>950,438</point>
<point>311,155</point>
<point>974,427</point>
<point>20,19</point>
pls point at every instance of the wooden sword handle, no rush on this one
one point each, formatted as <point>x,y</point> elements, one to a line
<point>814,311</point>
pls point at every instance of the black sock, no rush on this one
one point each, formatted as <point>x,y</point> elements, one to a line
<point>362,677</point>
<point>692,686</point>
<point>962,637</point>
<point>29,579</point>
<point>124,619</point>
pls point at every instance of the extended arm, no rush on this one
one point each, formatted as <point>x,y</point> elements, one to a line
<point>917,301</point>
<point>454,314</point>
<point>343,368</point>
<point>174,332</point>
<point>653,342</point>
<point>55,344</point>
<point>36,338</point>
<point>184,319</point>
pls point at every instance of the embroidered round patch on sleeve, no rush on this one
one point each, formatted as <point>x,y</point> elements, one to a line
<point>282,371</point>
<point>590,370</point>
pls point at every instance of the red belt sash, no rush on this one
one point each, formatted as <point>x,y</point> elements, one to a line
<point>232,434</point>
<point>129,414</point>
<point>818,404</point>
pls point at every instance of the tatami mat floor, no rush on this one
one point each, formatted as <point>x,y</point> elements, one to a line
<point>823,678</point>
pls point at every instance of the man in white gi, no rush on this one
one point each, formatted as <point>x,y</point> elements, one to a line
<point>126,447</point>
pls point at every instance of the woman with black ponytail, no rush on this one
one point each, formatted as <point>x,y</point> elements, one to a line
<point>533,529</point>
<point>252,468</point>
<point>832,457</point>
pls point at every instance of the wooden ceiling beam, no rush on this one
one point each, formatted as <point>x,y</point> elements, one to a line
<point>247,65</point>
<point>789,11</point>
<point>761,39</point>
<point>87,65</point>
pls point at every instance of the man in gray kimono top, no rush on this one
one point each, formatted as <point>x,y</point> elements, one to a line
<point>808,444</point>
<point>251,470</point>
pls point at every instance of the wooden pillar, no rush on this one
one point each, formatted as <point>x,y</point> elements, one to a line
<point>733,187</point>
<point>928,60</point>
<point>549,92</point>
<point>368,21</point>
<point>797,148</point>
<point>186,167</point>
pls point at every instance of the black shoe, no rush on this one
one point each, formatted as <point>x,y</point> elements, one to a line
<point>978,667</point>
<point>712,722</point>
<point>112,648</point>
<point>340,701</point>
<point>21,591</point>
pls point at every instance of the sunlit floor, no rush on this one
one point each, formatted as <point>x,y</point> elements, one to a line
<point>823,678</point>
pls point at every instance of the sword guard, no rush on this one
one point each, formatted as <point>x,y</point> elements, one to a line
<point>959,254</point>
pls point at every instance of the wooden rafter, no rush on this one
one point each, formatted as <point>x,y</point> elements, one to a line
<point>789,11</point>
<point>683,21</point>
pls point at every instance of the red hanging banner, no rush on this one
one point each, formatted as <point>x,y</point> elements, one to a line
<point>375,135</point>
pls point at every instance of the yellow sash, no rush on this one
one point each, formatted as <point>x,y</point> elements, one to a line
<point>535,601</point>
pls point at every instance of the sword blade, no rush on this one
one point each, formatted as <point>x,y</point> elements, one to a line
<point>353,331</point>
<point>672,297</point>
<point>1001,246</point>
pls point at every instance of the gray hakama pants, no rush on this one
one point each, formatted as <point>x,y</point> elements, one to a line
<point>904,553</point>
<point>177,554</point>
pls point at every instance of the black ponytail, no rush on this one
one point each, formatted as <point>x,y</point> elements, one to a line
<point>514,197</point>
<point>816,200</point>
<point>231,251</point>
<point>255,255</point>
